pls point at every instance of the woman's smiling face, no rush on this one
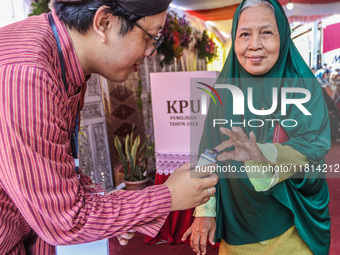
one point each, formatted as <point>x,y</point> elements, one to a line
<point>257,42</point>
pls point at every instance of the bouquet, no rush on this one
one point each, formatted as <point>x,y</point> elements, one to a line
<point>177,37</point>
<point>206,48</point>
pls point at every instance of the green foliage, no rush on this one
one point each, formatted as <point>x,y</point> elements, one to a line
<point>150,151</point>
<point>133,157</point>
<point>139,98</point>
<point>40,7</point>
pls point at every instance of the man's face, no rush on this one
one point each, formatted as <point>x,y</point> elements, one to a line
<point>121,55</point>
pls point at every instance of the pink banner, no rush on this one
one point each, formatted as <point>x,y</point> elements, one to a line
<point>177,116</point>
<point>331,37</point>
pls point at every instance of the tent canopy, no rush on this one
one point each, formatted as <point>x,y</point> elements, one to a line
<point>303,11</point>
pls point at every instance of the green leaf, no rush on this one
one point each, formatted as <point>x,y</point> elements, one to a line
<point>134,153</point>
<point>132,139</point>
<point>128,152</point>
<point>143,158</point>
<point>122,157</point>
<point>140,151</point>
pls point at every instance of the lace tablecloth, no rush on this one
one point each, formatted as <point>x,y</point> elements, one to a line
<point>166,163</point>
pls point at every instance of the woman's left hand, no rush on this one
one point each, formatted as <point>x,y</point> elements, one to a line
<point>245,147</point>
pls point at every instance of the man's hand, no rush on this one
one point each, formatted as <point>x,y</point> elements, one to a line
<point>201,229</point>
<point>189,188</point>
<point>245,147</point>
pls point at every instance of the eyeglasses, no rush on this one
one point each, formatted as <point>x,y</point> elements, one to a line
<point>159,39</point>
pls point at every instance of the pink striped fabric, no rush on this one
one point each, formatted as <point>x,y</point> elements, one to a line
<point>42,201</point>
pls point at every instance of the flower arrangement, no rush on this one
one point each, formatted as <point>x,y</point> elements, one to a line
<point>206,48</point>
<point>177,37</point>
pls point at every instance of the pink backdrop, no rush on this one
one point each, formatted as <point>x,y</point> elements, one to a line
<point>170,134</point>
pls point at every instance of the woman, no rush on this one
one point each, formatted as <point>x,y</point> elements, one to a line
<point>267,212</point>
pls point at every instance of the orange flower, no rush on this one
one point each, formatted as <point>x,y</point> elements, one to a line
<point>176,39</point>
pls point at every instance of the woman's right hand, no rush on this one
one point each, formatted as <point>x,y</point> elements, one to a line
<point>245,147</point>
<point>201,229</point>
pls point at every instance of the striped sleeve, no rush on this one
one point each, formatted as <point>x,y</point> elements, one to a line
<point>37,170</point>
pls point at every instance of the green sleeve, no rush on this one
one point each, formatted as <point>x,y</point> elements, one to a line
<point>206,210</point>
<point>282,162</point>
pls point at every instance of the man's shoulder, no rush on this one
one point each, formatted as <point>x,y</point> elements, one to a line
<point>26,42</point>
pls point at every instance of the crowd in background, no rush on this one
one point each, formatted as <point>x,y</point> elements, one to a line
<point>329,79</point>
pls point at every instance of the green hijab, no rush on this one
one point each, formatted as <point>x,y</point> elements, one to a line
<point>242,213</point>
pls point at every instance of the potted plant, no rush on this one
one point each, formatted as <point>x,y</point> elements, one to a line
<point>134,161</point>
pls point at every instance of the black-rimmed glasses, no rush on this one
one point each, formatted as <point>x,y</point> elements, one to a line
<point>159,39</point>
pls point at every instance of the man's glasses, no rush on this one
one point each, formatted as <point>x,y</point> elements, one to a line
<point>159,39</point>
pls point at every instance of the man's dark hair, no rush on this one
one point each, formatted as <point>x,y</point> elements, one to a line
<point>79,15</point>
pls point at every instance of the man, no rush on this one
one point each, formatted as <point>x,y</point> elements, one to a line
<point>43,198</point>
<point>313,70</point>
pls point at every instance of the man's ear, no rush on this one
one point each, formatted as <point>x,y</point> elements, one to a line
<point>102,22</point>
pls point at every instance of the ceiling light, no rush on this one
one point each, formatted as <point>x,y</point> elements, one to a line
<point>177,7</point>
<point>290,6</point>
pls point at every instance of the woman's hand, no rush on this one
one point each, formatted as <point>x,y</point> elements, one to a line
<point>245,147</point>
<point>200,230</point>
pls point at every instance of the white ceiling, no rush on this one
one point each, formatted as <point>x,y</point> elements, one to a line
<point>204,4</point>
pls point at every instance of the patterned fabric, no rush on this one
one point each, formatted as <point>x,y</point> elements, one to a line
<point>42,200</point>
<point>166,163</point>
